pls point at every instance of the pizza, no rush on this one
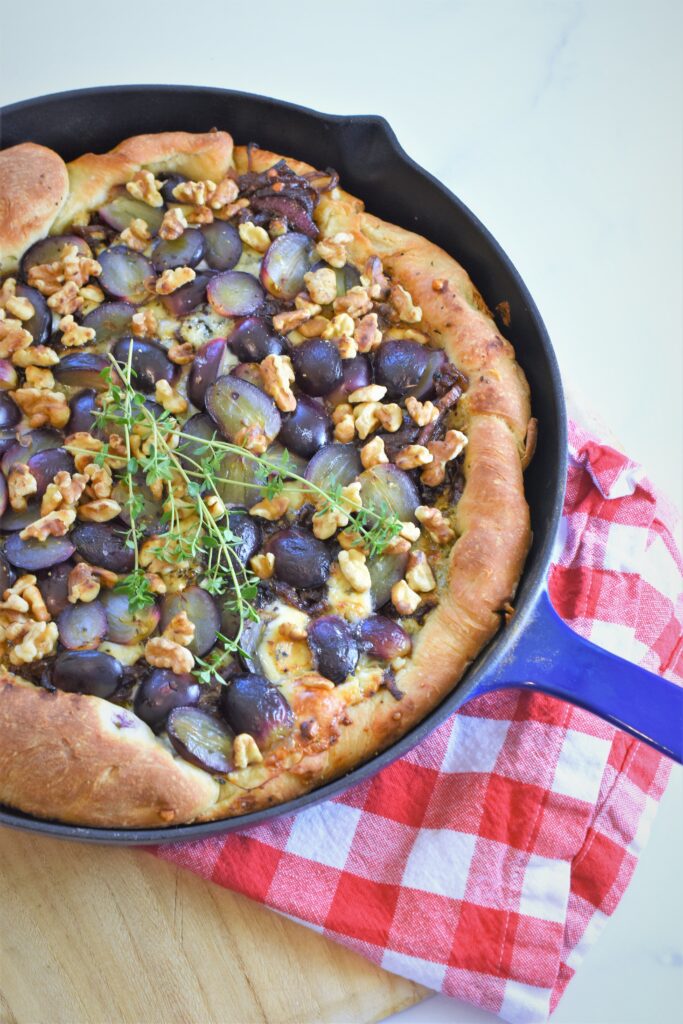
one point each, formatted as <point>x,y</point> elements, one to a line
<point>262,480</point>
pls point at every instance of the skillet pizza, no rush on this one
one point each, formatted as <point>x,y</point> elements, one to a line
<point>262,480</point>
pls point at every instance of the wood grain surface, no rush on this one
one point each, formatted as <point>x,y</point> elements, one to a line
<point>97,935</point>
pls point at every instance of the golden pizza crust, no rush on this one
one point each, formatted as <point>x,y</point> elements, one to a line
<point>136,775</point>
<point>34,185</point>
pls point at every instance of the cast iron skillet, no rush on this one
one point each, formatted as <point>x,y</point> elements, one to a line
<point>536,650</point>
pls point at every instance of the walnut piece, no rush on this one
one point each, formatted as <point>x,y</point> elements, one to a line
<point>83,585</point>
<point>340,326</point>
<point>171,280</point>
<point>291,321</point>
<point>367,334</point>
<point>73,334</point>
<point>333,250</point>
<point>164,653</point>
<point>373,453</point>
<point>144,323</point>
<point>435,524</point>
<point>101,510</point>
<point>181,354</point>
<point>256,237</point>
<point>402,302</point>
<point>421,413</point>
<point>64,491</point>
<point>173,224</point>
<point>144,186</point>
<point>344,425</point>
<point>370,393</point>
<point>13,338</point>
<point>224,194</point>
<point>35,355</point>
<point>278,376</point>
<point>42,407</point>
<point>356,302</point>
<point>21,483</point>
<point>419,576</point>
<point>442,452</point>
<point>355,571</point>
<point>194,192</point>
<point>245,751</point>
<point>136,236</point>
<point>180,630</point>
<point>54,524</point>
<point>321,285</point>
<point>39,377</point>
<point>413,456</point>
<point>270,508</point>
<point>31,641</point>
<point>263,565</point>
<point>171,400</point>
<point>404,598</point>
<point>17,306</point>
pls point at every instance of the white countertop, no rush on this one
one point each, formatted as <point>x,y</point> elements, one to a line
<point>559,125</point>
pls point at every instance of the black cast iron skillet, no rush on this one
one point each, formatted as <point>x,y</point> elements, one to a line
<point>536,649</point>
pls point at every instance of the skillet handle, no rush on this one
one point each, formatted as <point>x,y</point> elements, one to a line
<point>551,657</point>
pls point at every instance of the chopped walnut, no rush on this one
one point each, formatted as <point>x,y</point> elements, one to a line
<point>82,584</point>
<point>374,279</point>
<point>347,347</point>
<point>278,376</point>
<point>373,453</point>
<point>181,355</point>
<point>99,480</point>
<point>92,296</point>
<point>404,598</point>
<point>16,305</point>
<point>410,531</point>
<point>356,302</point>
<point>224,194</point>
<point>402,302</point>
<point>54,524</point>
<point>173,224</point>
<point>321,285</point>
<point>171,400</point>
<point>144,323</point>
<point>35,355</point>
<point>256,237</point>
<point>13,338</point>
<point>421,412</point>
<point>42,407</point>
<point>397,546</point>
<point>39,377</point>
<point>155,583</point>
<point>136,236</point>
<point>253,439</point>
<point>405,334</point>
<point>333,250</point>
<point>101,510</point>
<point>327,521</point>
<point>64,491</point>
<point>435,524</point>
<point>367,334</point>
<point>24,596</point>
<point>83,446</point>
<point>199,215</point>
<point>180,630</point>
<point>245,751</point>
<point>442,452</point>
<point>196,193</point>
<point>214,505</point>
<point>72,268</point>
<point>229,211</point>
<point>263,565</point>
<point>73,334</point>
<point>163,653</point>
<point>419,575</point>
<point>390,417</point>
<point>286,322</point>
<point>348,539</point>
<point>353,568</point>
<point>313,328</point>
<point>344,425</point>
<point>270,508</point>
<point>413,456</point>
<point>144,186</point>
<point>171,280</point>
<point>21,483</point>
<point>31,641</point>
<point>340,326</point>
<point>66,300</point>
<point>365,418</point>
<point>370,393</point>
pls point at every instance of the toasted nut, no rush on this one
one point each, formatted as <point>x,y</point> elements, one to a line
<point>35,355</point>
<point>413,456</point>
<point>333,250</point>
<point>321,285</point>
<point>402,302</point>
<point>173,224</point>
<point>373,453</point>
<point>354,569</point>
<point>421,412</point>
<point>327,521</point>
<point>15,305</point>
<point>144,323</point>
<point>435,524</point>
<point>404,598</point>
<point>163,653</point>
<point>180,630</point>
<point>39,377</point>
<point>263,565</point>
<point>365,418</point>
<point>73,334</point>
<point>370,393</point>
<point>144,186</point>
<point>410,531</point>
<point>229,211</point>
<point>405,334</point>
<point>101,510</point>
<point>313,328</point>
<point>136,236</point>
<point>195,192</point>
<point>347,347</point>
<point>199,215</point>
<point>214,505</point>
<point>13,338</point>
<point>83,585</point>
<point>171,400</point>
<point>397,546</point>
<point>344,425</point>
<point>390,417</point>
<point>64,491</point>
<point>245,751</point>
<point>54,524</point>
<point>442,452</point>
<point>183,354</point>
<point>21,483</point>
<point>278,375</point>
<point>256,237</point>
<point>419,575</point>
<point>224,194</point>
<point>43,407</point>
<point>367,334</point>
<point>374,279</point>
<point>253,439</point>
<point>356,302</point>
<point>66,300</point>
<point>270,508</point>
<point>171,280</point>
<point>348,539</point>
<point>31,641</point>
<point>286,322</point>
<point>340,326</point>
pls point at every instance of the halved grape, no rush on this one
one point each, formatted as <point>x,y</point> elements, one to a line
<point>250,372</point>
<point>318,366</point>
<point>236,406</point>
<point>334,647</point>
<point>204,370</point>
<point>148,517</point>
<point>200,428</point>
<point>8,375</point>
<point>35,554</point>
<point>185,251</point>
<point>288,258</point>
<point>385,570</point>
<point>244,480</point>
<point>306,429</point>
<point>201,609</point>
<point>8,438</point>
<point>335,465</point>
<point>49,250</point>
<point>28,444</point>
<point>123,208</point>
<point>126,274</point>
<point>253,339</point>
<point>347,277</point>
<point>249,536</point>
<point>161,692</point>
<point>407,368</point>
<point>426,386</point>
<point>384,639</point>
<point>386,487</point>
<point>6,574</point>
<point>10,413</point>
<point>255,706</point>
<point>82,370</point>
<point>187,298</point>
<point>53,584</point>
<point>110,321</point>
<point>148,361</point>
<point>87,671</point>
<point>103,544</point>
<point>82,627</point>
<point>286,208</point>
<point>301,559</point>
<point>356,373</point>
<point>123,625</point>
<point>3,495</point>
<point>234,293</point>
<point>84,409</point>
<point>45,465</point>
<point>17,519</point>
<point>40,324</point>
<point>201,739</point>
<point>249,638</point>
<point>223,245</point>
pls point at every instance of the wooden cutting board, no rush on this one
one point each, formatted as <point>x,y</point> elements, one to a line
<point>97,935</point>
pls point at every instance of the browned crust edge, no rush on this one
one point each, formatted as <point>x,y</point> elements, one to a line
<point>34,185</point>
<point>492,521</point>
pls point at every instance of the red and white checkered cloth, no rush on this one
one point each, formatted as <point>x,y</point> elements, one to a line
<point>485,862</point>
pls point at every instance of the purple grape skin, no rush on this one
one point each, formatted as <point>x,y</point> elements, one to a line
<point>3,495</point>
<point>82,627</point>
<point>103,544</point>
<point>149,519</point>
<point>234,293</point>
<point>251,704</point>
<point>169,183</point>
<point>356,373</point>
<point>335,464</point>
<point>187,298</point>
<point>10,413</point>
<point>162,691</point>
<point>301,559</point>
<point>124,626</point>
<point>40,324</point>
<point>84,409</point>
<point>253,339</point>
<point>149,362</point>
<point>406,368</point>
<point>235,404</point>
<point>53,584</point>
<point>333,646</point>
<point>223,245</point>
<point>306,429</point>
<point>201,427</point>
<point>45,465</point>
<point>34,441</point>
<point>204,370</point>
<point>8,438</point>
<point>110,321</point>
<point>33,554</point>
<point>86,671</point>
<point>387,486</point>
<point>383,638</point>
<point>318,366</point>
<point>48,250</point>
<point>185,251</point>
<point>82,370</point>
<point>385,570</point>
<point>249,535</point>
<point>126,274</point>
<point>14,520</point>
<point>201,609</point>
<point>210,744</point>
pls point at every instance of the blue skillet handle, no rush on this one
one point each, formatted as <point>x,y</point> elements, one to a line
<point>551,657</point>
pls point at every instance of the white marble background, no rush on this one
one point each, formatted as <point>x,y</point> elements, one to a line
<point>559,124</point>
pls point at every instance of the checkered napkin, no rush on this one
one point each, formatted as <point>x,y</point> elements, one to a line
<point>485,862</point>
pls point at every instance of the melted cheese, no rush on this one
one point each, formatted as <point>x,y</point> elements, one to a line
<point>280,655</point>
<point>346,601</point>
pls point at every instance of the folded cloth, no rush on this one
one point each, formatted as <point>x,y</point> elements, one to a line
<point>485,862</point>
